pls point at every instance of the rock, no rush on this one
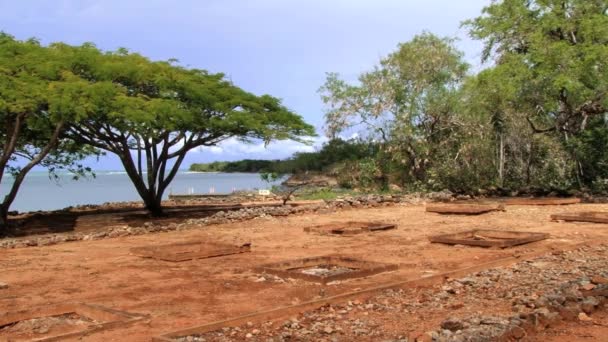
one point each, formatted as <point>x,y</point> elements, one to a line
<point>588,287</point>
<point>3,286</point>
<point>467,281</point>
<point>518,333</point>
<point>588,305</point>
<point>249,335</point>
<point>328,330</point>
<point>426,337</point>
<point>359,332</point>
<point>583,317</point>
<point>598,280</point>
<point>452,324</point>
<point>395,188</point>
<point>457,305</point>
<point>444,195</point>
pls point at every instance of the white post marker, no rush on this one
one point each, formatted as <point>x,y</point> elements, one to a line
<point>264,193</point>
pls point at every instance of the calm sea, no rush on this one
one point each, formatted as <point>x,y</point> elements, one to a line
<point>38,192</point>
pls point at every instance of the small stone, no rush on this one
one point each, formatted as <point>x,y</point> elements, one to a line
<point>255,331</point>
<point>42,330</point>
<point>457,305</point>
<point>598,280</point>
<point>583,317</point>
<point>518,333</point>
<point>427,337</point>
<point>328,330</point>
<point>361,332</point>
<point>588,305</point>
<point>249,335</point>
<point>3,286</point>
<point>452,324</point>
<point>467,281</point>
<point>588,287</point>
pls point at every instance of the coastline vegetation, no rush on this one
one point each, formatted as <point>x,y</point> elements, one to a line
<point>534,117</point>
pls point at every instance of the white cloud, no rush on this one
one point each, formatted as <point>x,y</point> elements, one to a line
<point>233,148</point>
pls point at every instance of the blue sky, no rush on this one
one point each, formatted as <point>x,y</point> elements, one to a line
<point>279,47</point>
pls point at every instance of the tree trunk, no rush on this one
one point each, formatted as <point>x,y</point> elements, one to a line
<point>501,162</point>
<point>19,177</point>
<point>153,205</point>
<point>4,227</point>
<point>152,193</point>
<point>152,201</point>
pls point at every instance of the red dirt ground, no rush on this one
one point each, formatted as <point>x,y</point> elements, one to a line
<point>185,294</point>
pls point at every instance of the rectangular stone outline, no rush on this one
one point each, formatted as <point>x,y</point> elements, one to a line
<point>542,201</point>
<point>207,250</point>
<point>463,209</point>
<point>110,318</point>
<point>585,216</point>
<point>337,228</point>
<point>286,311</point>
<point>463,238</point>
<point>363,268</point>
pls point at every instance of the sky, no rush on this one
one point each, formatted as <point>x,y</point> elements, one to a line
<point>279,47</point>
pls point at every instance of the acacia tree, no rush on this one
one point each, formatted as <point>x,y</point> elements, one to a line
<point>558,51</point>
<point>167,111</point>
<point>38,96</point>
<point>407,102</point>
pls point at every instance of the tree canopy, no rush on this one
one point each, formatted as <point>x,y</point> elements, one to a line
<point>534,117</point>
<point>155,112</point>
<point>554,56</point>
<point>407,101</point>
<point>39,95</point>
<point>59,103</point>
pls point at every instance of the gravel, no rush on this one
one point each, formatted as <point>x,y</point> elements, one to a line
<point>505,301</point>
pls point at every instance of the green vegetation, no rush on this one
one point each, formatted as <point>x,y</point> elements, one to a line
<point>535,118</point>
<point>59,103</point>
<point>334,152</point>
<point>246,165</point>
<point>39,96</point>
<point>319,194</point>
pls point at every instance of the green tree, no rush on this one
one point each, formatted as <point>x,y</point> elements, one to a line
<point>407,103</point>
<point>166,111</point>
<point>558,52</point>
<point>39,95</point>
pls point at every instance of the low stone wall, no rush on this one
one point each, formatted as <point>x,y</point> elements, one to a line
<point>573,300</point>
<point>569,302</point>
<point>219,217</point>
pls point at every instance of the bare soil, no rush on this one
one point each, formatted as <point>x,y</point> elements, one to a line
<point>178,295</point>
<point>593,331</point>
<point>30,329</point>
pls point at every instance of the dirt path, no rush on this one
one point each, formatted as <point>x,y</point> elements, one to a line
<point>184,294</point>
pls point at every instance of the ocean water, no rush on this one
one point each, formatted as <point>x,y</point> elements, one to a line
<point>38,192</point>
